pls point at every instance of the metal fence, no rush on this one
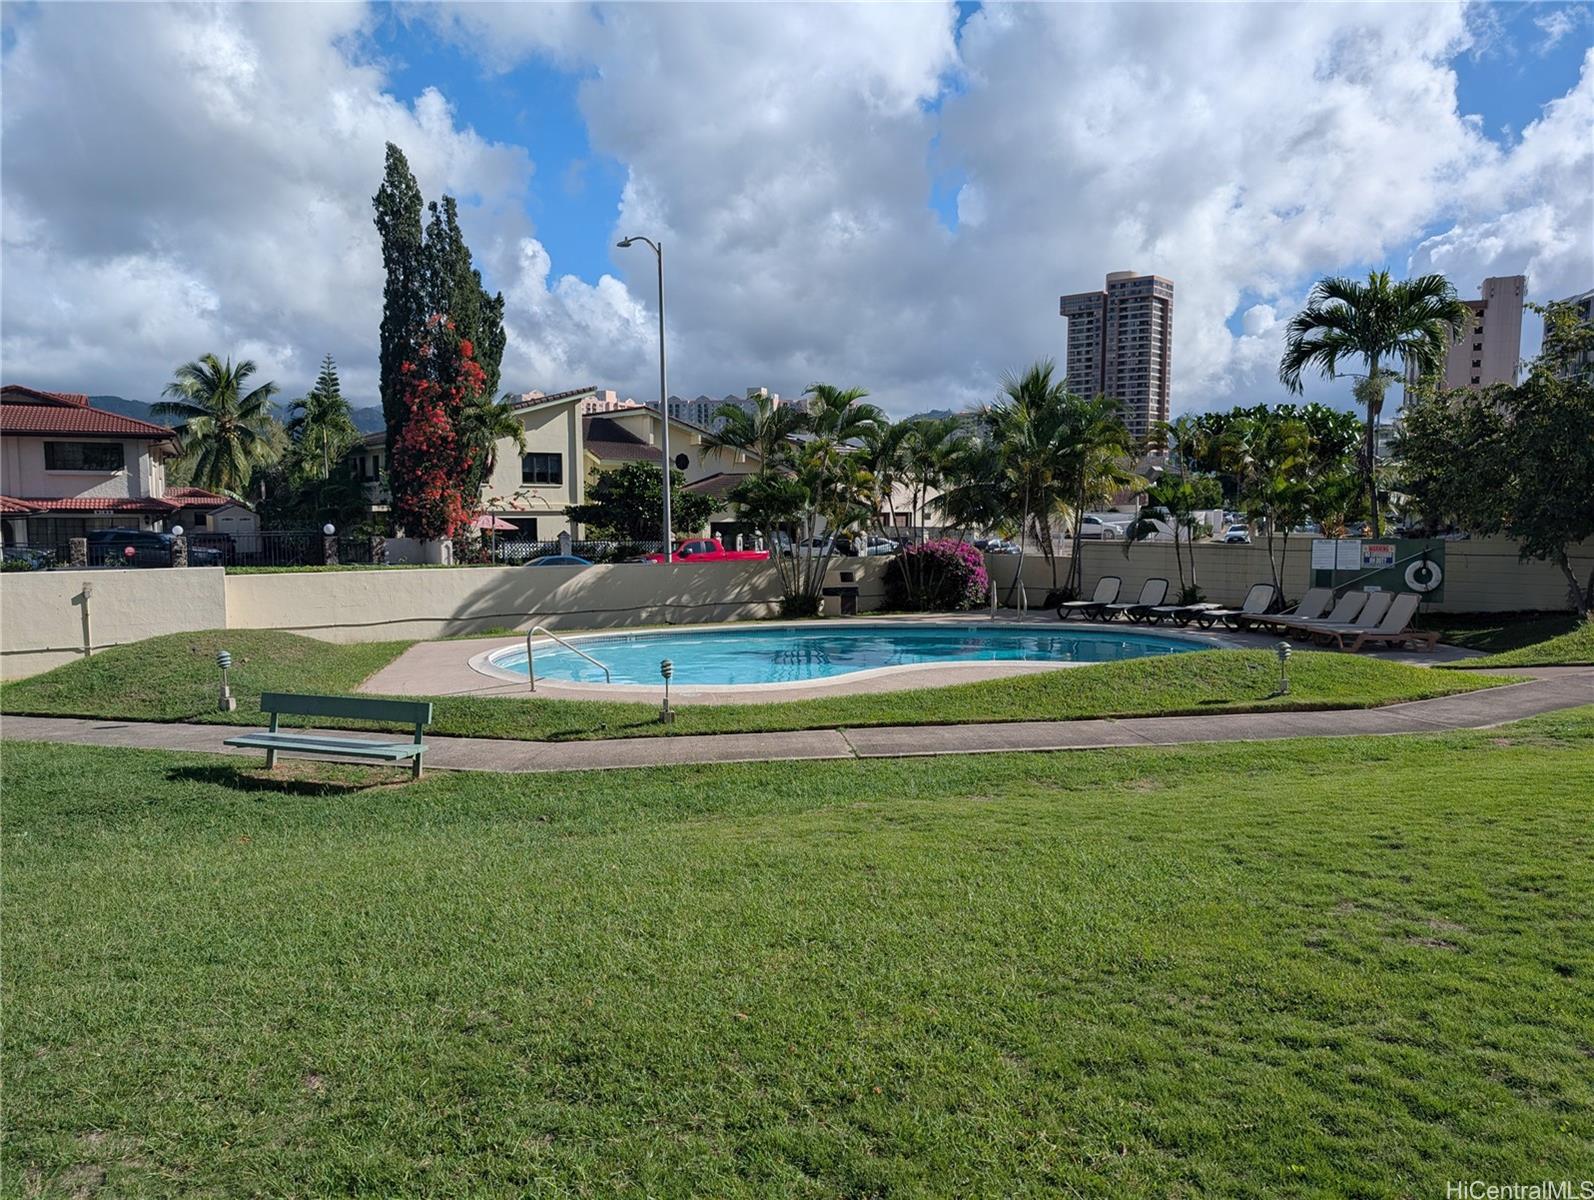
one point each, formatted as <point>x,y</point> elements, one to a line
<point>513,551</point>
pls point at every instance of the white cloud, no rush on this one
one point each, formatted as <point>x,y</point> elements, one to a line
<point>1556,24</point>
<point>182,179</point>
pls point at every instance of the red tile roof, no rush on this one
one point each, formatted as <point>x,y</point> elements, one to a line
<point>115,504</point>
<point>26,410</point>
<point>192,497</point>
<point>15,508</point>
<point>528,401</point>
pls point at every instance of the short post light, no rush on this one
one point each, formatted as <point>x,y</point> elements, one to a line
<point>1282,650</point>
<point>666,716</point>
<point>225,702</point>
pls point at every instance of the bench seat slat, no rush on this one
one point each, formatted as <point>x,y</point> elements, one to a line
<point>346,746</point>
<point>365,708</point>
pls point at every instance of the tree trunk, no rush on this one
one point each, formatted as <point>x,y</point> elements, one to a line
<point>1018,575</point>
<point>1374,407</point>
<point>1582,598</point>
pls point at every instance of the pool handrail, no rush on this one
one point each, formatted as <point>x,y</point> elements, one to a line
<point>531,665</point>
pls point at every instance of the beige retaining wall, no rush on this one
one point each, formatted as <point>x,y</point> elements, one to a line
<point>1480,576</point>
<point>42,612</point>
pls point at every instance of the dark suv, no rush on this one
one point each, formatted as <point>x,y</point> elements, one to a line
<point>150,549</point>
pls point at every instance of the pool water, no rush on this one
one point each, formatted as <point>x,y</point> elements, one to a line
<point>786,654</point>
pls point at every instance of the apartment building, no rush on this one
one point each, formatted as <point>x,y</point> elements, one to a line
<point>1490,349</point>
<point>1120,344</point>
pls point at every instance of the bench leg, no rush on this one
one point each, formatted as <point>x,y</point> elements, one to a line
<point>271,759</point>
<point>415,767</point>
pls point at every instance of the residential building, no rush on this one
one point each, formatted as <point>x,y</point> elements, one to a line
<point>1120,344</point>
<point>570,437</point>
<point>67,468</point>
<point>1490,349</point>
<point>1583,302</point>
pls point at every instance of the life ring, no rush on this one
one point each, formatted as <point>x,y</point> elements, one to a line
<point>1424,575</point>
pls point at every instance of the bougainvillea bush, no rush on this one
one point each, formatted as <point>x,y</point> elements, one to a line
<point>431,463</point>
<point>940,576</point>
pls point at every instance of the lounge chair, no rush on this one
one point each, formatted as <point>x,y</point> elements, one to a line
<point>1313,607</point>
<point>1372,612</point>
<point>1152,593</point>
<point>1106,592</point>
<point>1257,601</point>
<point>1395,629</point>
<point>1344,613</point>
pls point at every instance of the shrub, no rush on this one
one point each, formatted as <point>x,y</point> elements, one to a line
<point>939,576</point>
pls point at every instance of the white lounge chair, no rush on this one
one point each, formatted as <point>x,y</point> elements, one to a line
<point>1152,593</point>
<point>1344,612</point>
<point>1257,601</point>
<point>1106,592</point>
<point>1312,607</point>
<point>1372,612</point>
<point>1395,628</point>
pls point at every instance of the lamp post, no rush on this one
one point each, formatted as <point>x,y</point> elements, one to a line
<point>667,669</point>
<point>664,397</point>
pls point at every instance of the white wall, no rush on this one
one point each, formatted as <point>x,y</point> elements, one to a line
<point>24,473</point>
<point>41,612</point>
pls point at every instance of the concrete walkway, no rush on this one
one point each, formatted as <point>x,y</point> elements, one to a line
<point>1550,689</point>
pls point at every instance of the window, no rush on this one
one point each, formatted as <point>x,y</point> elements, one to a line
<point>83,456</point>
<point>542,468</point>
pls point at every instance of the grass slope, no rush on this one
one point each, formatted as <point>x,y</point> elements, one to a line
<point>1575,647</point>
<point>174,678</point>
<point>1331,967</point>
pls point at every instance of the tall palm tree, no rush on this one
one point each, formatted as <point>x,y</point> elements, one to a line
<point>322,420</point>
<point>767,432</point>
<point>1031,427</point>
<point>1413,322</point>
<point>226,432</point>
<point>1096,466</point>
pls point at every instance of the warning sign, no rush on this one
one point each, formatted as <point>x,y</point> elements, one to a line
<point>1377,554</point>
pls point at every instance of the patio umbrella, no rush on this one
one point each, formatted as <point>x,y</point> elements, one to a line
<point>491,524</point>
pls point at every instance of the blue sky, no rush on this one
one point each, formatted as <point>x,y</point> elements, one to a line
<point>884,195</point>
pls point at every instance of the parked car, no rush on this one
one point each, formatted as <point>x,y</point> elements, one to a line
<point>1094,528</point>
<point>995,545</point>
<point>27,558</point>
<point>150,549</point>
<point>558,560</point>
<point>710,550</point>
<point>1237,534</point>
<point>873,545</point>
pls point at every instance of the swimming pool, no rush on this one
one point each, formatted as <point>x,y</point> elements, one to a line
<point>709,658</point>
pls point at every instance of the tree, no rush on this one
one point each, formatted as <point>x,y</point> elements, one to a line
<point>1181,493</point>
<point>1097,466</point>
<point>1517,459</point>
<point>226,432</point>
<point>1413,322</point>
<point>482,423</point>
<point>768,432</point>
<point>624,503</point>
<point>442,340</point>
<point>1029,428</point>
<point>321,424</point>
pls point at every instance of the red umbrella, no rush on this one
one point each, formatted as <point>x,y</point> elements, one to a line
<point>496,524</point>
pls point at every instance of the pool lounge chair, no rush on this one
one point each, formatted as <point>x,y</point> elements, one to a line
<point>1344,613</point>
<point>1395,629</point>
<point>1152,593</point>
<point>1371,613</point>
<point>1313,607</point>
<point>1106,592</point>
<point>1257,601</point>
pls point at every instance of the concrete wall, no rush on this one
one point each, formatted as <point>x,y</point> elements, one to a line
<point>1480,576</point>
<point>41,612</point>
<point>361,606</point>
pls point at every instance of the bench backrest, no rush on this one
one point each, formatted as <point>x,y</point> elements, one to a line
<point>357,708</point>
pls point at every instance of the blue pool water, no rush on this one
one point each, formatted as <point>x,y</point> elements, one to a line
<point>765,654</point>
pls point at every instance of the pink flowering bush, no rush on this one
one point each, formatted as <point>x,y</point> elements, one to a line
<point>940,576</point>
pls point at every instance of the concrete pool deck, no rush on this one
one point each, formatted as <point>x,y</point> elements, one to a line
<point>454,668</point>
<point>1549,689</point>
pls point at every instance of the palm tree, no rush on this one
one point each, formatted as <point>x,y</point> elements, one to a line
<point>225,432</point>
<point>1413,322</point>
<point>767,432</point>
<point>482,423</point>
<point>322,420</point>
<point>1096,466</point>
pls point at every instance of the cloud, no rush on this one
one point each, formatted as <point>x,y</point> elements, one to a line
<point>1556,24</point>
<point>193,178</point>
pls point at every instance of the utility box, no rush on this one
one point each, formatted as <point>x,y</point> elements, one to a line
<point>840,601</point>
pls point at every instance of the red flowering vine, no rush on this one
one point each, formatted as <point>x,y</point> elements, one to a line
<point>430,462</point>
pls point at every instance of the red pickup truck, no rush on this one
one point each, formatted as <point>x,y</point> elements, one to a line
<point>710,550</point>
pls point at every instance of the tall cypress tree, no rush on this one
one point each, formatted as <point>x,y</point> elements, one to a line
<point>459,292</point>
<point>405,298</point>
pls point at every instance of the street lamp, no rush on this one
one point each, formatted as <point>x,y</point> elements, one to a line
<point>664,399</point>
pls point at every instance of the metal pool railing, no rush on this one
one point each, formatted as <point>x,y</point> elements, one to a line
<point>531,665</point>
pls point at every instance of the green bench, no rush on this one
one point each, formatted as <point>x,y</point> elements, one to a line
<point>405,712</point>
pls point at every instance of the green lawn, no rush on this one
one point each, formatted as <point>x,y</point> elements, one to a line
<point>1321,968</point>
<point>174,678</point>
<point>1574,647</point>
<point>1496,633</point>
